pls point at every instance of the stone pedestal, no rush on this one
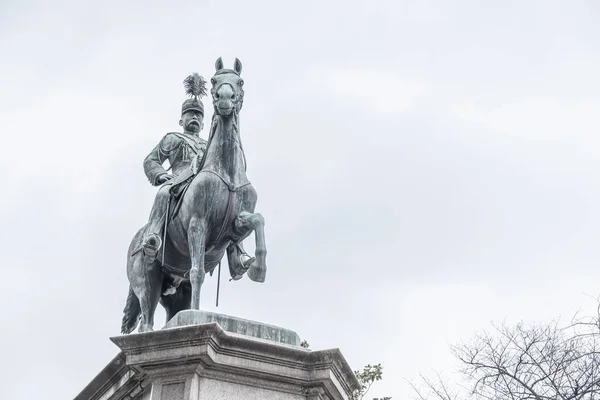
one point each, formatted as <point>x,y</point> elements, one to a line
<point>249,361</point>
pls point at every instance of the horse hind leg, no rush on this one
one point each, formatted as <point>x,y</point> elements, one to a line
<point>146,282</point>
<point>249,222</point>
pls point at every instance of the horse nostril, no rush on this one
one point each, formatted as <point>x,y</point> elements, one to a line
<point>232,96</point>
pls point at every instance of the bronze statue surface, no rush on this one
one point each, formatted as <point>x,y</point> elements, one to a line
<point>203,210</point>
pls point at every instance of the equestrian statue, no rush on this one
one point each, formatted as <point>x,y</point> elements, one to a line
<point>203,209</point>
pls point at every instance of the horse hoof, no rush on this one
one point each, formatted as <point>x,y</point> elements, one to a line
<point>257,274</point>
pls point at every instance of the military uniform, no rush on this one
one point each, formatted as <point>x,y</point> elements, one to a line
<point>182,150</point>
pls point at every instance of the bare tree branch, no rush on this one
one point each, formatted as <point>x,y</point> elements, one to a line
<point>539,362</point>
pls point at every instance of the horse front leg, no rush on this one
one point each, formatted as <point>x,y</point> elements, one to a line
<point>254,221</point>
<point>196,240</point>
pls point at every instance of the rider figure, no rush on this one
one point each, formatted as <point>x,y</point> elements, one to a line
<point>181,150</point>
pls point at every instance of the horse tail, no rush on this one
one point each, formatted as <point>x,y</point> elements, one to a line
<point>131,313</point>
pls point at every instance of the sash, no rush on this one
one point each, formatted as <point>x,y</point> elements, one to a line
<point>189,142</point>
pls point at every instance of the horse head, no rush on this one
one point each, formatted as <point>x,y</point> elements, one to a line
<point>227,88</point>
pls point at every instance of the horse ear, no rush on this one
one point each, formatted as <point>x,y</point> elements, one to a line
<point>219,64</point>
<point>237,66</point>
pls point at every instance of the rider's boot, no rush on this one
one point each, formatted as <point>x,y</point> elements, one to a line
<point>238,266</point>
<point>152,241</point>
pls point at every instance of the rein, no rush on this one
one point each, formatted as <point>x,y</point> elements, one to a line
<point>232,189</point>
<point>213,128</point>
<point>230,186</point>
<point>230,201</point>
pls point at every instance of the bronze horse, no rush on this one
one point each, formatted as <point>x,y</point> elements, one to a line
<point>214,215</point>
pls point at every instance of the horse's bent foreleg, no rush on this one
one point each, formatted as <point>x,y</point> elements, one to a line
<point>146,282</point>
<point>196,239</point>
<point>256,222</point>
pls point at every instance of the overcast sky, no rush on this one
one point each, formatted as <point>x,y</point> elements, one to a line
<point>424,168</point>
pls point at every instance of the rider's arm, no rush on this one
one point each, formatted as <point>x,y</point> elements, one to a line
<point>153,163</point>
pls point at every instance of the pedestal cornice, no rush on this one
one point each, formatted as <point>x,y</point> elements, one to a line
<point>210,351</point>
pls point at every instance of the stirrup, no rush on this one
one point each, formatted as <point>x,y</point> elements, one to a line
<point>151,245</point>
<point>243,267</point>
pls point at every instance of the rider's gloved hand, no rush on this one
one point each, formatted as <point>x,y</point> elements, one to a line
<point>163,178</point>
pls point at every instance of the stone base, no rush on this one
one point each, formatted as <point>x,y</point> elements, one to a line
<point>235,325</point>
<point>205,362</point>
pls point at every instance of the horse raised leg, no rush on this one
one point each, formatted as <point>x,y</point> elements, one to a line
<point>255,222</point>
<point>196,239</point>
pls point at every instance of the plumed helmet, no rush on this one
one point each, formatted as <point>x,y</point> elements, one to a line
<point>195,87</point>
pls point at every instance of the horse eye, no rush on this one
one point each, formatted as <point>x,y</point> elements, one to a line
<point>213,80</point>
<point>241,82</point>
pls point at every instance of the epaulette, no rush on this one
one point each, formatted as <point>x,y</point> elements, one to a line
<point>164,150</point>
